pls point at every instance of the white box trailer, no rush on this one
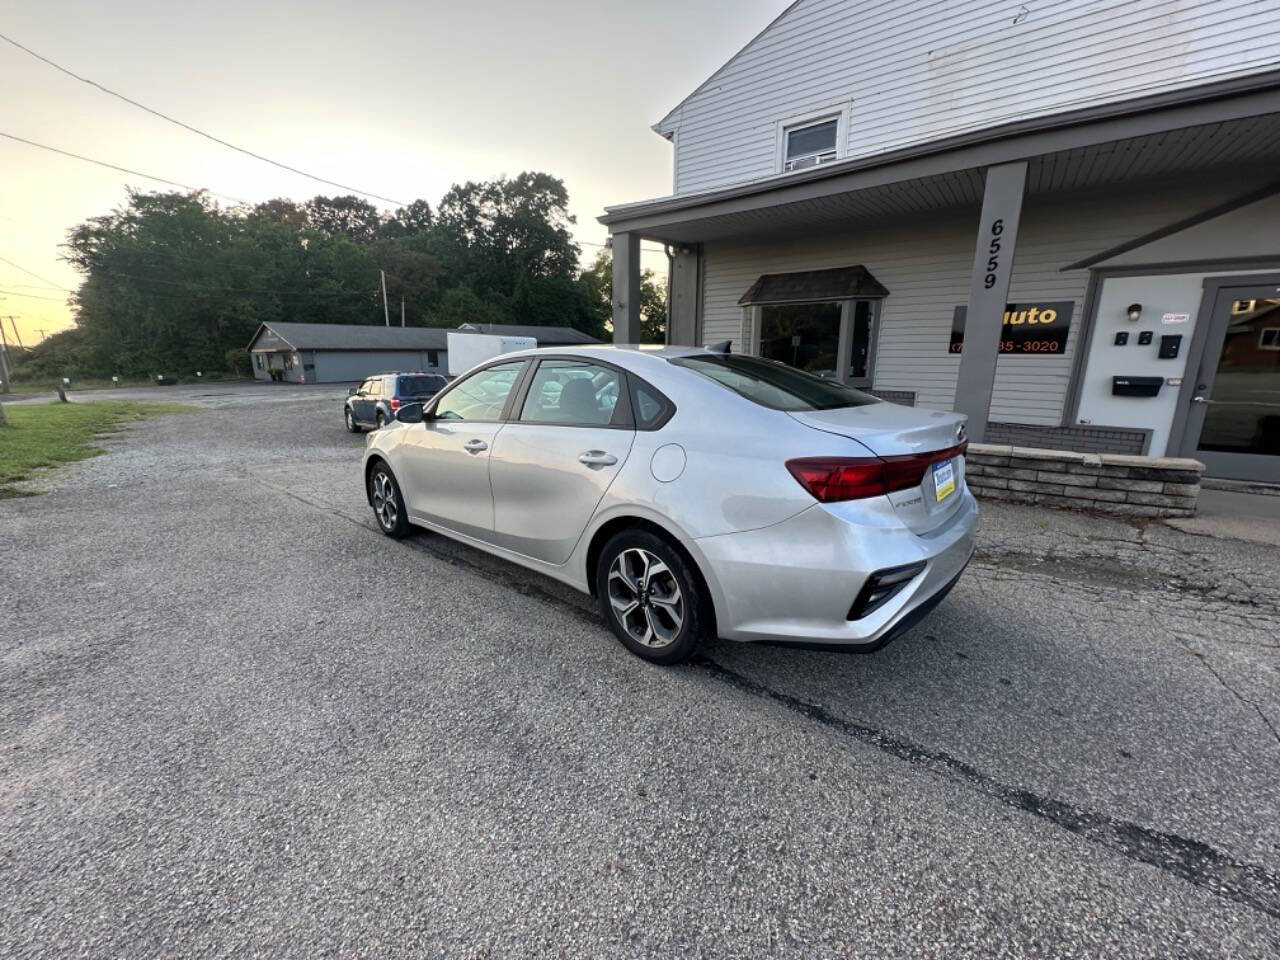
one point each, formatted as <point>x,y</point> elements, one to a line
<point>468,349</point>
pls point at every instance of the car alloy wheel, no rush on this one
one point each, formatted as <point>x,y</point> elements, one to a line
<point>385,506</point>
<point>351,421</point>
<point>645,597</point>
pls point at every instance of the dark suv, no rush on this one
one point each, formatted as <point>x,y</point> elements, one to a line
<point>374,403</point>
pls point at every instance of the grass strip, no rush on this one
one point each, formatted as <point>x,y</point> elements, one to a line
<point>41,436</point>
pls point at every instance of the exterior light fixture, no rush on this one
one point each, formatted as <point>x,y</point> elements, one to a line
<point>1134,312</point>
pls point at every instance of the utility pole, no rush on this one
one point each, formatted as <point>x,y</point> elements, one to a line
<point>4,357</point>
<point>386,313</point>
<point>402,311</point>
<point>13,322</point>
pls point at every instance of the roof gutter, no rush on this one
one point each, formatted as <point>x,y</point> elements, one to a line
<point>1237,87</point>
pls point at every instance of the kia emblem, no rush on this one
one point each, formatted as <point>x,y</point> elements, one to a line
<point>961,433</point>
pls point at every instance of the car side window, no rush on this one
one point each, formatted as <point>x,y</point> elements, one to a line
<point>482,395</point>
<point>365,388</point>
<point>572,392</point>
<point>651,408</point>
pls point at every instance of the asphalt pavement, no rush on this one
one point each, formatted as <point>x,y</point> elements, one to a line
<point>236,720</point>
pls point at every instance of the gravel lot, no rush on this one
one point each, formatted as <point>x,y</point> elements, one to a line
<point>236,720</point>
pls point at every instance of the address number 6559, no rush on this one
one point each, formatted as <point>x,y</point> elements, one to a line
<point>993,259</point>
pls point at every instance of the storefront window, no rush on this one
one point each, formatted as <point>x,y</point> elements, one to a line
<point>802,335</point>
<point>813,336</point>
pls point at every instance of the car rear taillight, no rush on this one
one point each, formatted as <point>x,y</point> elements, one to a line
<point>832,479</point>
<point>395,404</point>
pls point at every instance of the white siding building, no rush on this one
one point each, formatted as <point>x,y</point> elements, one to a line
<point>1001,163</point>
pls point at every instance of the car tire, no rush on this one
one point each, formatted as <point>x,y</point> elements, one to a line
<point>352,426</point>
<point>650,597</point>
<point>382,421</point>
<point>387,502</point>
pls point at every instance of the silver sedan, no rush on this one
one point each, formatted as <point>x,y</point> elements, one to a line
<point>694,492</point>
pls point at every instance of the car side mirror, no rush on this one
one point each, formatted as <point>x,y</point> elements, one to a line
<point>351,392</point>
<point>410,413</point>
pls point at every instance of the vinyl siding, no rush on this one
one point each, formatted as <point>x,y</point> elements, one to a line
<point>911,71</point>
<point>338,366</point>
<point>926,265</point>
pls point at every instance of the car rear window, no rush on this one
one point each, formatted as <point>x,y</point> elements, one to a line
<point>773,384</point>
<point>419,386</point>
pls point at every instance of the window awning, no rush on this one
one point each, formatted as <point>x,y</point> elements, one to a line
<point>842,283</point>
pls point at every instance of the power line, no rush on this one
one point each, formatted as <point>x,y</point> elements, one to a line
<point>36,275</point>
<point>195,130</point>
<point>112,166</point>
<point>192,289</point>
<point>31,296</point>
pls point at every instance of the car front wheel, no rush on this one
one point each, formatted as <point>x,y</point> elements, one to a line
<point>387,503</point>
<point>650,597</point>
<point>352,426</point>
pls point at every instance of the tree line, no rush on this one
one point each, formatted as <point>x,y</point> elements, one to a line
<point>175,283</point>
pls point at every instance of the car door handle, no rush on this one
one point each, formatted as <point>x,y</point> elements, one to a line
<point>597,458</point>
<point>475,446</point>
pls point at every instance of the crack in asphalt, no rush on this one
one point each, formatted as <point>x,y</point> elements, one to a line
<point>1191,860</point>
<point>1188,644</point>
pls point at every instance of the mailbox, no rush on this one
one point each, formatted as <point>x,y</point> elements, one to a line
<point>1169,345</point>
<point>1136,386</point>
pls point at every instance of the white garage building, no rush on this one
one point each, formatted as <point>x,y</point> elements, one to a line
<point>340,352</point>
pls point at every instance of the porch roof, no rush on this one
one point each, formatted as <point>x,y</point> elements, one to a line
<point>1234,123</point>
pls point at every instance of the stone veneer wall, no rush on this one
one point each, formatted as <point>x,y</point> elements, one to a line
<point>1083,439</point>
<point>1110,483</point>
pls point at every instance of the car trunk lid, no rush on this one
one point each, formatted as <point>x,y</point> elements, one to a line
<point>889,431</point>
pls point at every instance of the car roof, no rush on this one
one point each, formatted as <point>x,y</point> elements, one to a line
<point>624,355</point>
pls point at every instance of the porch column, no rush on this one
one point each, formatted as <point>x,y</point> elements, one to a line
<point>683,304</point>
<point>626,288</point>
<point>989,292</point>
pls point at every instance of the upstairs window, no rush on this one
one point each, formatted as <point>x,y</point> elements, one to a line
<point>810,144</point>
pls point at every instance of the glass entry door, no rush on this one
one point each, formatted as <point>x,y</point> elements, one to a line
<point>832,339</point>
<point>1233,425</point>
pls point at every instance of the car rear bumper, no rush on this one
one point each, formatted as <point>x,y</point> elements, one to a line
<point>796,581</point>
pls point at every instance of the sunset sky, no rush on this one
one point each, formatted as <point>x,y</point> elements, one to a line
<point>400,99</point>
